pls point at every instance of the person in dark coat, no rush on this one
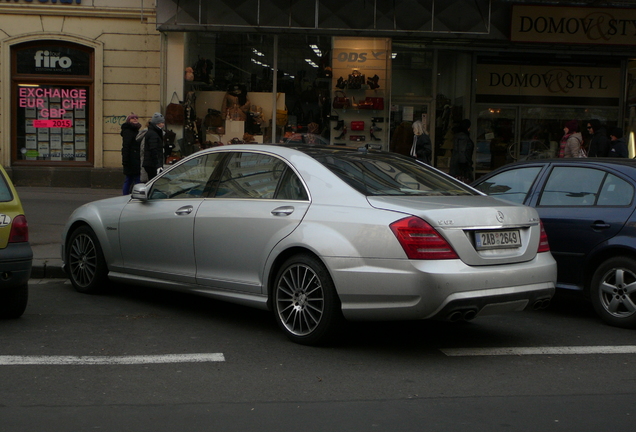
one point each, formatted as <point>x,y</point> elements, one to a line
<point>153,146</point>
<point>130,158</point>
<point>422,148</point>
<point>461,162</point>
<point>618,145</point>
<point>600,142</point>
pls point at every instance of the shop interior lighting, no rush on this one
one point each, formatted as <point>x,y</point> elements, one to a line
<point>260,63</point>
<point>311,63</point>
<point>316,49</point>
<point>393,55</point>
<point>257,52</point>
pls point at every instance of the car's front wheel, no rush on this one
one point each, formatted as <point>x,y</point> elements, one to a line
<point>305,302</point>
<point>613,292</point>
<point>13,301</point>
<point>85,261</point>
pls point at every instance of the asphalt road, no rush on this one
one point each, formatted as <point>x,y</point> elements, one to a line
<point>240,373</point>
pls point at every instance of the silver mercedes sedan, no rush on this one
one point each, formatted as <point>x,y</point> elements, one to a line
<point>317,235</point>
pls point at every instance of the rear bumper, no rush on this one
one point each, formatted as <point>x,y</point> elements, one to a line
<point>16,261</point>
<point>371,289</point>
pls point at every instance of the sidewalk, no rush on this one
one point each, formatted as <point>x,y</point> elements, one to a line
<point>46,210</point>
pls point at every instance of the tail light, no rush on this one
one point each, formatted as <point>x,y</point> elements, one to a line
<point>420,240</point>
<point>544,246</point>
<point>19,230</point>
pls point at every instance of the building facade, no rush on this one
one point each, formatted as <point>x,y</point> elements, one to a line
<point>70,73</point>
<point>340,73</point>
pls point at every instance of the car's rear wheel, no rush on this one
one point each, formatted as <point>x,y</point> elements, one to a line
<point>13,301</point>
<point>306,305</point>
<point>85,260</point>
<point>613,292</point>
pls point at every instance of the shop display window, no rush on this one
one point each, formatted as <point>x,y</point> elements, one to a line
<point>51,100</point>
<point>508,134</point>
<point>52,122</point>
<point>233,79</point>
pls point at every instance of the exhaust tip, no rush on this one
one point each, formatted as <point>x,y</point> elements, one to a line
<point>455,316</point>
<point>469,315</point>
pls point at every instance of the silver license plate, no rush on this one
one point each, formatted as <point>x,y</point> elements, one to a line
<point>497,239</point>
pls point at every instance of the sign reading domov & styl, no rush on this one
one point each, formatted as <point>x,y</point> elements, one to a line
<point>528,83</point>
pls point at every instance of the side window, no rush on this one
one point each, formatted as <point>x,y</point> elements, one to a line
<point>572,186</point>
<point>250,175</point>
<point>512,185</point>
<point>291,188</point>
<point>616,192</point>
<point>188,180</point>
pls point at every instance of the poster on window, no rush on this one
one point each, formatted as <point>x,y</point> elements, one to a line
<point>28,127</point>
<point>80,142</point>
<point>43,150</point>
<point>80,125</point>
<point>67,134</point>
<point>56,148</point>
<point>31,141</point>
<point>43,134</point>
<point>68,152</point>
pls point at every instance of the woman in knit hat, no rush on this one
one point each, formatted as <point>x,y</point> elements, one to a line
<point>572,141</point>
<point>153,146</point>
<point>130,158</point>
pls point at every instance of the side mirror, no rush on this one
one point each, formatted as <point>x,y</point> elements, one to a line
<point>140,192</point>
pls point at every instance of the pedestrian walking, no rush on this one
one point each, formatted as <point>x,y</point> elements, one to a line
<point>572,141</point>
<point>130,157</point>
<point>153,146</point>
<point>461,162</point>
<point>599,142</point>
<point>618,146</point>
<point>422,148</point>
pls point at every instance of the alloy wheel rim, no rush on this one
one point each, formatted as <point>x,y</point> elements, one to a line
<point>618,293</point>
<point>300,300</point>
<point>83,260</point>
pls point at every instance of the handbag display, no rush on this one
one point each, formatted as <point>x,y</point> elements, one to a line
<point>340,100</point>
<point>357,125</point>
<point>357,138</point>
<point>175,112</point>
<point>356,80</point>
<point>372,103</point>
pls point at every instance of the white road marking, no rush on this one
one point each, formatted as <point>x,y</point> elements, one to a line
<point>467,352</point>
<point>8,360</point>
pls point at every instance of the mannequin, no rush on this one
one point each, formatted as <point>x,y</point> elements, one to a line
<point>235,103</point>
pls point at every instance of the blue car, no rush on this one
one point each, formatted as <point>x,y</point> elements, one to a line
<point>587,209</point>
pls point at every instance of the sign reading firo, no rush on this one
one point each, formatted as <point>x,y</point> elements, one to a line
<point>50,59</point>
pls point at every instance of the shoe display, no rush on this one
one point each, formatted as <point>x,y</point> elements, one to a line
<point>344,132</point>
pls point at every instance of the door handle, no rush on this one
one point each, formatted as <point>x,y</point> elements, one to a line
<point>599,225</point>
<point>283,211</point>
<point>184,211</point>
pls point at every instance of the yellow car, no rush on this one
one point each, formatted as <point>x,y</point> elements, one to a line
<point>16,256</point>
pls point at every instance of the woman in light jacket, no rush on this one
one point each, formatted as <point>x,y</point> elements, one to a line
<point>571,142</point>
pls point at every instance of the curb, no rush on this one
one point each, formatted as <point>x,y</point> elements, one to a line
<point>47,269</point>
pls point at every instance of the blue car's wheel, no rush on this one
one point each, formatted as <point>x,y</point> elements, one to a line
<point>613,292</point>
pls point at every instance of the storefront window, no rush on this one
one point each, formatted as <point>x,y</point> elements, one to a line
<point>233,80</point>
<point>51,123</point>
<point>51,100</point>
<point>508,134</point>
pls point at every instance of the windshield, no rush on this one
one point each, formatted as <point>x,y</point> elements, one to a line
<point>374,174</point>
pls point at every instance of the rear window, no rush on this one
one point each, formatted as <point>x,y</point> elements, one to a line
<point>375,174</point>
<point>5,192</point>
